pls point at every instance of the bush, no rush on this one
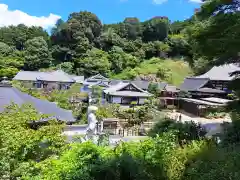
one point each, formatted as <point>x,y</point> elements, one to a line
<point>187,131</point>
<point>219,163</point>
<point>180,158</point>
<point>128,161</point>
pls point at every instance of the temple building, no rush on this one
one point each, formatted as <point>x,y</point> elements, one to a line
<point>126,93</point>
<point>207,91</point>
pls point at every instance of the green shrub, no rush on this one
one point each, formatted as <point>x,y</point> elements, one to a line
<point>215,163</point>
<point>187,131</point>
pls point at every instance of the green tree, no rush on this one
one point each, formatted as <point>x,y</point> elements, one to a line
<point>37,54</point>
<point>21,147</point>
<point>164,73</point>
<point>96,61</point>
<point>153,88</point>
<point>179,46</point>
<point>110,38</point>
<point>5,50</point>
<point>221,31</point>
<point>131,28</point>
<point>186,132</point>
<point>66,67</point>
<point>143,160</point>
<point>156,29</point>
<point>121,60</point>
<point>17,36</point>
<point>10,65</point>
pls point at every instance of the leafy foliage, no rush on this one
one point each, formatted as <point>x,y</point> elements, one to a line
<point>126,161</point>
<point>21,147</point>
<point>186,132</point>
<point>37,54</point>
<point>178,70</point>
<point>83,45</point>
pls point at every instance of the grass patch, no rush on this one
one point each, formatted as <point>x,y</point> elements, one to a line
<point>178,70</point>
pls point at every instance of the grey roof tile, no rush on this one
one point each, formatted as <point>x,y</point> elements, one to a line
<point>141,84</point>
<point>114,82</point>
<point>221,72</point>
<point>100,83</point>
<point>130,94</point>
<point>55,76</point>
<point>10,95</point>
<point>97,77</point>
<point>116,90</point>
<point>211,90</point>
<point>193,84</point>
<point>116,87</point>
<point>78,79</point>
<point>28,75</point>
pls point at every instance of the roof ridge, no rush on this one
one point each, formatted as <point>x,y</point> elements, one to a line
<point>195,77</point>
<point>137,87</point>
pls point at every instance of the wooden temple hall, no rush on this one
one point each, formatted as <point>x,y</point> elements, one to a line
<point>206,91</point>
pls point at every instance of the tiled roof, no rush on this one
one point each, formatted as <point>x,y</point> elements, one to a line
<point>193,84</point>
<point>97,77</point>
<point>217,100</point>
<point>211,90</point>
<point>201,102</point>
<point>100,83</point>
<point>114,82</point>
<point>115,90</point>
<point>116,87</point>
<point>221,72</point>
<point>28,75</point>
<point>77,79</point>
<point>130,94</point>
<point>55,76</point>
<point>141,84</point>
<point>10,95</point>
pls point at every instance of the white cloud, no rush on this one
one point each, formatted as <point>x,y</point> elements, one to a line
<point>196,1</point>
<point>159,1</point>
<point>9,17</point>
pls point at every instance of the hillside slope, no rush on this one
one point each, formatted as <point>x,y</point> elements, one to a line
<point>171,71</point>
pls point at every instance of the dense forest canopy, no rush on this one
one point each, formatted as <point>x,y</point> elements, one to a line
<point>84,46</point>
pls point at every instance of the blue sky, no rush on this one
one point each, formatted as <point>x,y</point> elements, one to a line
<point>45,12</point>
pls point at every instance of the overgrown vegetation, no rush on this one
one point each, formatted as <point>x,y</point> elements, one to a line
<point>167,70</point>
<point>21,147</point>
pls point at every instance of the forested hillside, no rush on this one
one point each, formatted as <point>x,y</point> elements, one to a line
<point>84,46</point>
